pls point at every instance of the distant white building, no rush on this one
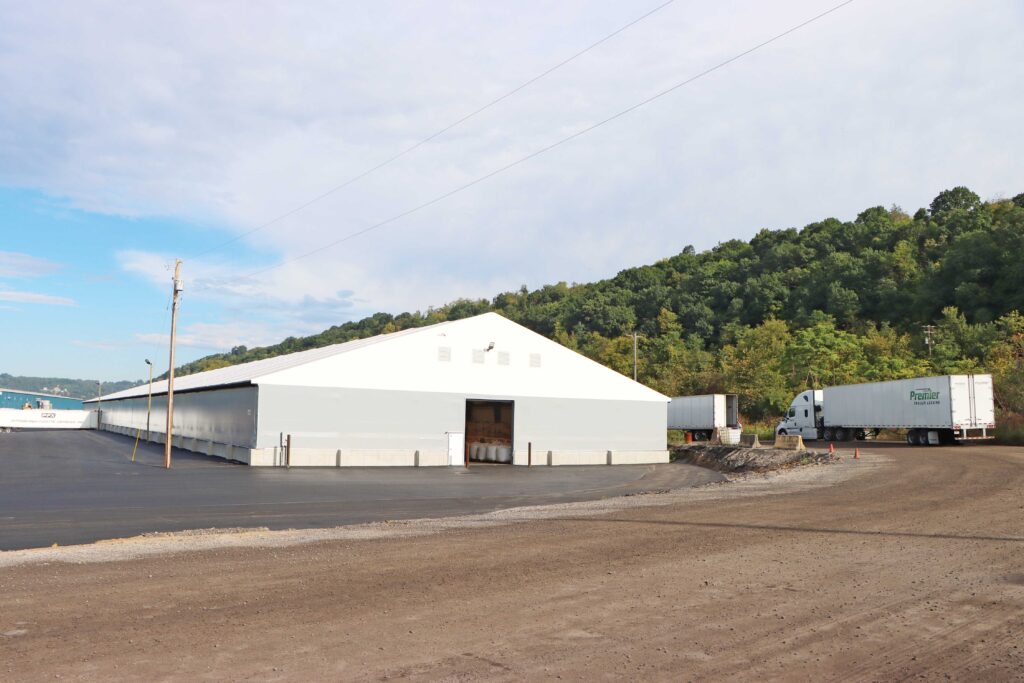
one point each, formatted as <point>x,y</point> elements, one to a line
<point>436,395</point>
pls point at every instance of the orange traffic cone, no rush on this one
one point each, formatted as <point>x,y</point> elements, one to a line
<point>831,448</point>
<point>856,454</point>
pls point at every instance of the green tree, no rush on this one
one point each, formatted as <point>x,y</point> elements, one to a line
<point>957,199</point>
<point>960,346</point>
<point>675,364</point>
<point>888,354</point>
<point>1005,360</point>
<point>822,355</point>
<point>752,368</point>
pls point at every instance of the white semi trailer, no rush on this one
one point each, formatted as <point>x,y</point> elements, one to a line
<point>12,418</point>
<point>702,415</point>
<point>933,410</point>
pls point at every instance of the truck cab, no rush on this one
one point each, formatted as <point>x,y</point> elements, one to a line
<point>804,417</point>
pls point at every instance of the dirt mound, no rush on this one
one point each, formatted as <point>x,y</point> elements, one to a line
<point>740,459</point>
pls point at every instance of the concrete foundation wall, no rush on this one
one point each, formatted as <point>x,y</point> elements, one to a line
<point>326,457</point>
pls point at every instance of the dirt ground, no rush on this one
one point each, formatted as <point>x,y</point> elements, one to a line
<point>741,459</point>
<point>913,569</point>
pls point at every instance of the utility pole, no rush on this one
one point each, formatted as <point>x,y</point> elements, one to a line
<point>929,330</point>
<point>168,441</point>
<point>99,404</point>
<point>634,356</point>
<point>149,399</point>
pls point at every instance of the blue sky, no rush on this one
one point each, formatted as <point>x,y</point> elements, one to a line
<point>134,134</point>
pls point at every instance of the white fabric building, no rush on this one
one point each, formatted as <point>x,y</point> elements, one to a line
<point>424,396</point>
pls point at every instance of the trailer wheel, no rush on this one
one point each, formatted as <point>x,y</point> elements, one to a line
<point>842,434</point>
<point>830,434</point>
<point>860,435</point>
<point>912,437</point>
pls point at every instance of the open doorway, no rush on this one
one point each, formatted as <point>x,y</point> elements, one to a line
<point>489,431</point>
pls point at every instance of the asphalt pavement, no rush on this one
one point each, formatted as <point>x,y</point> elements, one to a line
<point>70,487</point>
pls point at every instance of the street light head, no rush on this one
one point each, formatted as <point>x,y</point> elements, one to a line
<point>149,362</point>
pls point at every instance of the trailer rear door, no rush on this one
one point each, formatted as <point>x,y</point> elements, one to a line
<point>984,411</point>
<point>961,401</point>
<point>732,410</point>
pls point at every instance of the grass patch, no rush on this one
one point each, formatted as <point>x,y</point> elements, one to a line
<point>764,430</point>
<point>676,437</point>
<point>1010,429</point>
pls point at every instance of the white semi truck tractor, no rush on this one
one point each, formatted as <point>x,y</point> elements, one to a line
<point>933,410</point>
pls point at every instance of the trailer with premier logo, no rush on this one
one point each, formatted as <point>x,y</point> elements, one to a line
<point>933,410</point>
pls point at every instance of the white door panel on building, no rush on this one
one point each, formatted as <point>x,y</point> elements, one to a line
<point>456,449</point>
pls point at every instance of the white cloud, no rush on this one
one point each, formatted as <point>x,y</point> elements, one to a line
<point>34,298</point>
<point>217,336</point>
<point>235,113</point>
<point>17,265</point>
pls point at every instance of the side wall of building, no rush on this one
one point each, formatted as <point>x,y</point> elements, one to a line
<point>219,422</point>
<point>338,427</point>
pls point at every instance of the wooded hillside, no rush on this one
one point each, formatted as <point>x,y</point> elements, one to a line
<point>833,302</point>
<point>61,386</point>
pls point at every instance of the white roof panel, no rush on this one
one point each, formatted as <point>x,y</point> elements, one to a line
<point>486,355</point>
<point>246,373</point>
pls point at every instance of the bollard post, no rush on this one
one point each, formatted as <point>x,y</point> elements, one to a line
<point>136,446</point>
<point>529,454</point>
<point>288,451</point>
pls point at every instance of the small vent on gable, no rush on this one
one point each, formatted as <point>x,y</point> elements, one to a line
<point>502,357</point>
<point>534,360</point>
<point>444,353</point>
<point>478,355</point>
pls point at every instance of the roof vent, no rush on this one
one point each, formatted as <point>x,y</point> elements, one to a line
<point>534,360</point>
<point>444,353</point>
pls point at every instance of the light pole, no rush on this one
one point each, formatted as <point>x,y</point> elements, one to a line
<point>149,398</point>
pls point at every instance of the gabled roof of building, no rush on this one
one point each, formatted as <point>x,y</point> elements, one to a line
<point>245,373</point>
<point>486,355</point>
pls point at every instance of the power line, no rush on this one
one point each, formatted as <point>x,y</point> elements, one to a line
<point>434,135</point>
<point>548,148</point>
